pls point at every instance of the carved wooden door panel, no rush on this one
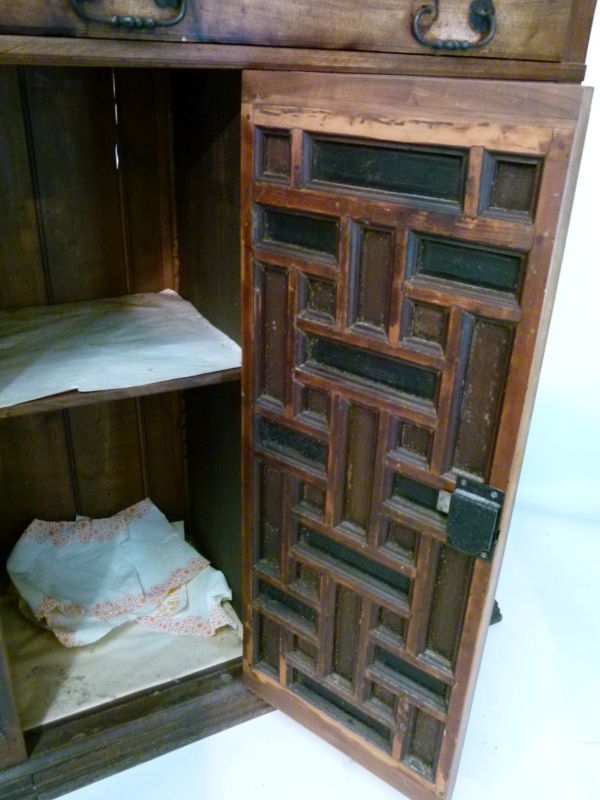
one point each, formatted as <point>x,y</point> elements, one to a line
<point>401,249</point>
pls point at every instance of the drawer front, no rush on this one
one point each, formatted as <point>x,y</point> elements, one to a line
<point>536,29</point>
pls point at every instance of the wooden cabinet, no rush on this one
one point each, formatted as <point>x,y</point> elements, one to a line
<point>401,240</point>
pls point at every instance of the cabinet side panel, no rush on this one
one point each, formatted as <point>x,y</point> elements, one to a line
<point>206,146</point>
<point>213,452</point>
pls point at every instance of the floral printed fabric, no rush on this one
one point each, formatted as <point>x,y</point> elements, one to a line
<point>83,579</point>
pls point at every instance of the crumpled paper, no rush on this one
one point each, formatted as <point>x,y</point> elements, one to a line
<point>114,343</point>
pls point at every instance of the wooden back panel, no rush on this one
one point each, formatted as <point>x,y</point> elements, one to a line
<point>399,238</point>
<point>86,213</point>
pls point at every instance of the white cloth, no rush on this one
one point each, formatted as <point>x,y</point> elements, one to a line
<point>84,578</point>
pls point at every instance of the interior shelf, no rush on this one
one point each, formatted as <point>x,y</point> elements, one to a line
<point>54,357</point>
<point>53,682</point>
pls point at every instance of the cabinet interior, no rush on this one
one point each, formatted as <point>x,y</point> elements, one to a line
<point>118,182</point>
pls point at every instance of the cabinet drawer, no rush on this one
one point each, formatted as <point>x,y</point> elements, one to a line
<point>537,29</point>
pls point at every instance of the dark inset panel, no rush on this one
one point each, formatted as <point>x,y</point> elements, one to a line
<point>308,650</point>
<point>270,515</point>
<point>372,368</point>
<point>351,717</point>
<point>268,644</point>
<point>382,697</point>
<point>451,589</point>
<point>316,405</point>
<point>299,231</point>
<point>411,677</point>
<point>476,266</point>
<point>361,445</point>
<point>401,539</point>
<point>483,395</point>
<point>407,171</point>
<point>272,333</point>
<point>345,632</point>
<point>423,741</point>
<point>426,322</point>
<point>414,441</point>
<point>293,444</point>
<point>415,492</point>
<point>318,298</point>
<point>391,625</point>
<point>306,580</point>
<point>354,560</point>
<point>510,185</point>
<point>275,157</point>
<point>312,498</point>
<point>372,282</point>
<point>285,603</point>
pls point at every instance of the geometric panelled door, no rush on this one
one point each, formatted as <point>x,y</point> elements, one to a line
<point>398,248</point>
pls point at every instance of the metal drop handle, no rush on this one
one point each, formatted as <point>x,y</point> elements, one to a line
<point>132,21</point>
<point>482,19</point>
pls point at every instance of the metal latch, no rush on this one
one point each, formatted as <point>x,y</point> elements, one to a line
<point>473,518</point>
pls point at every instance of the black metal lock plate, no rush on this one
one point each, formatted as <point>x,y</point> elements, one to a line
<point>473,518</point>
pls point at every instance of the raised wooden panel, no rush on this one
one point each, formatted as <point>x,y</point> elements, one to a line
<point>410,357</point>
<point>272,333</point>
<point>358,463</point>
<point>482,396</point>
<point>373,272</point>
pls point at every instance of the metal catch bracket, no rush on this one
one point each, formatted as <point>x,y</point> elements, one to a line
<point>473,518</point>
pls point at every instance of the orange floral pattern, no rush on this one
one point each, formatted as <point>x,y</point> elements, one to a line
<point>128,604</point>
<point>193,625</point>
<point>86,531</point>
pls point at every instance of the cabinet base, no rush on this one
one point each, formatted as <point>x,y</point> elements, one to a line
<point>84,749</point>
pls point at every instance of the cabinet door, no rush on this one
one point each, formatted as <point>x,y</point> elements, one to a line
<point>12,748</point>
<point>401,247</point>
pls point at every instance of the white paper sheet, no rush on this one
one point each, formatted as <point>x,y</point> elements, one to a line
<point>115,343</point>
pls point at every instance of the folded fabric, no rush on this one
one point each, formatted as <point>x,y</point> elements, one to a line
<point>83,579</point>
<point>203,612</point>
